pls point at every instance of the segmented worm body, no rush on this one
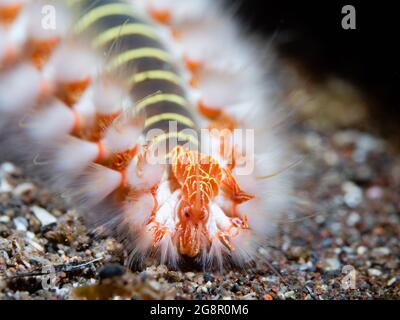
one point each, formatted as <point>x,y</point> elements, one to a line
<point>132,109</point>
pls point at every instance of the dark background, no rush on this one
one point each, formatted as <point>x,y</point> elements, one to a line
<point>368,56</point>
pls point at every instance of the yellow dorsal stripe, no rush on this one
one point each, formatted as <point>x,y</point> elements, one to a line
<point>162,97</point>
<point>123,30</point>
<point>169,116</point>
<point>155,75</point>
<point>138,54</point>
<point>100,12</point>
<point>181,136</point>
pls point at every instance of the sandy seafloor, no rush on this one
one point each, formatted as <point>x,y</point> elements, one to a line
<point>343,245</point>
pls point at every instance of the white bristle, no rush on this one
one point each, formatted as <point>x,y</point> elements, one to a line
<point>221,221</point>
<point>120,138</point>
<point>86,108</point>
<point>164,192</point>
<point>14,37</point>
<point>108,98</point>
<point>81,64</point>
<point>146,175</point>
<point>55,120</point>
<point>166,214</point>
<point>97,183</point>
<point>74,155</point>
<point>17,95</point>
<point>182,11</point>
<point>136,212</point>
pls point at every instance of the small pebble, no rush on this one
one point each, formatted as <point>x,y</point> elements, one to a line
<point>352,194</point>
<point>391,282</point>
<point>111,270</point>
<point>374,272</point>
<point>43,215</point>
<point>235,288</point>
<point>173,276</point>
<point>381,251</point>
<point>374,193</point>
<point>154,285</point>
<point>249,296</point>
<point>361,250</point>
<point>353,219</point>
<point>365,144</point>
<point>189,275</point>
<point>204,289</point>
<point>336,227</point>
<point>21,224</point>
<point>30,235</point>
<point>4,219</point>
<point>331,264</point>
<point>36,245</point>
<point>290,295</point>
<point>208,277</point>
<point>331,158</point>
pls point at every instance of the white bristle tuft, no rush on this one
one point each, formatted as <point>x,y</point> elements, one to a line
<point>13,37</point>
<point>86,108</point>
<point>182,11</point>
<point>82,64</point>
<point>55,120</point>
<point>166,214</point>
<point>118,139</point>
<point>108,98</point>
<point>96,184</point>
<point>146,175</point>
<point>17,95</point>
<point>74,155</point>
<point>137,211</point>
